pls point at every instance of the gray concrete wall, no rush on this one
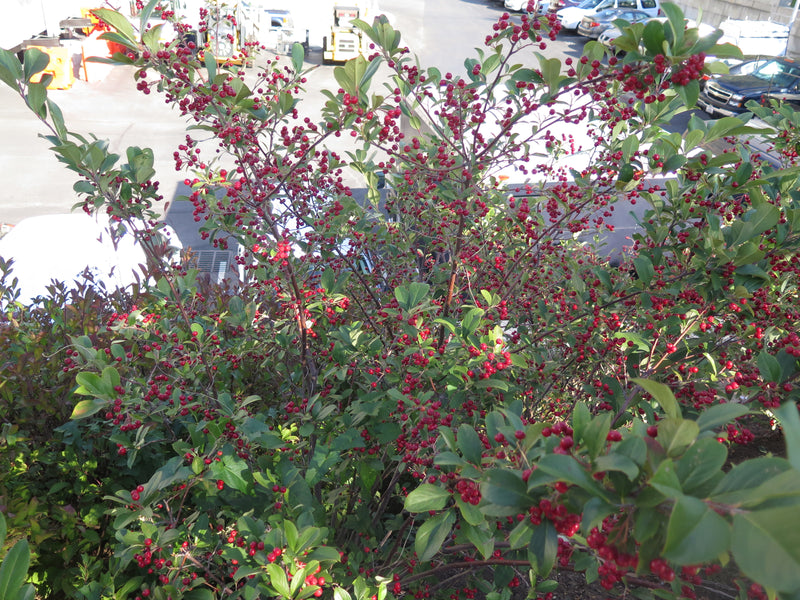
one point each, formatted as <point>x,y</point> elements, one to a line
<point>716,11</point>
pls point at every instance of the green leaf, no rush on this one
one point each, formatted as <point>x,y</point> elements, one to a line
<point>504,487</point>
<point>409,296</point>
<point>551,72</point>
<point>701,463</point>
<point>58,119</point>
<point>566,468</point>
<point>199,594</point>
<point>653,37</point>
<point>596,434</point>
<point>211,66</point>
<point>349,75</point>
<point>118,22</point>
<point>662,394</point>
<point>695,533</point>
<point>469,512</point>
<point>766,546</point>
<point>790,423</point>
<point>144,16</point>
<point>739,483</point>
<point>471,321</point>
<point>234,471</point>
<point>629,147</point>
<point>427,497</point>
<point>720,414</point>
<point>278,580</point>
<point>544,546</point>
<point>769,367</point>
<point>647,522</point>
<point>726,126</point>
<point>617,462</point>
<point>339,593</point>
<point>634,447</point>
<point>480,537</point>
<point>594,511</point>
<point>86,408</point>
<point>369,73</point>
<point>766,216</point>
<point>689,93</point>
<point>469,443</point>
<point>152,37</point>
<point>90,384</point>
<point>110,378</point>
<point>35,61</point>
<point>580,419</point>
<point>432,534</point>
<point>28,592</point>
<point>10,69</point>
<point>14,570</point>
<point>676,435</point>
<point>298,56</point>
<point>521,535</point>
<point>3,530</point>
<point>665,480</point>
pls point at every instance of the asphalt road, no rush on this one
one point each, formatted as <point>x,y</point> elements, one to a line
<point>441,32</point>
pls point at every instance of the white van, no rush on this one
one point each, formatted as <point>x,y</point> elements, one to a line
<point>572,16</point>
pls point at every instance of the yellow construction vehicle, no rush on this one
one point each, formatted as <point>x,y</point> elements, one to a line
<point>345,41</point>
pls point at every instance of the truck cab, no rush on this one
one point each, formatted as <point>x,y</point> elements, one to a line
<point>345,40</point>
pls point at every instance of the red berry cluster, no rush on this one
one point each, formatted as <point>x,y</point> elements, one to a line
<point>469,491</point>
<point>565,523</point>
<point>560,428</point>
<point>661,569</point>
<point>691,70</point>
<point>615,563</point>
<point>136,494</point>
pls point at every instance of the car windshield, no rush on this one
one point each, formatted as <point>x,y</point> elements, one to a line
<point>592,4</point>
<point>611,13</point>
<point>615,13</point>
<point>779,73</point>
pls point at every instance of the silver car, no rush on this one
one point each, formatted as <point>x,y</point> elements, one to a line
<point>593,25</point>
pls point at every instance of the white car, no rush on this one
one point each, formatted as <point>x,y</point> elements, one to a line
<point>612,33</point>
<point>521,5</point>
<point>572,16</point>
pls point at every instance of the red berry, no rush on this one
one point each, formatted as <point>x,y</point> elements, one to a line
<point>652,431</point>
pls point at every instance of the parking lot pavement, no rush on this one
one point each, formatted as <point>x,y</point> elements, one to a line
<point>35,183</point>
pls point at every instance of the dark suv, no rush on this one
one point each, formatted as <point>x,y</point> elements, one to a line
<point>775,78</point>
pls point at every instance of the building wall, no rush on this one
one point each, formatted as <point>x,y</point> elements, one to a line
<point>716,11</point>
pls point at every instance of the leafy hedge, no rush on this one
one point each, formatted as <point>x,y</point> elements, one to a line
<point>453,390</point>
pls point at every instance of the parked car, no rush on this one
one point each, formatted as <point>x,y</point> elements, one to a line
<point>572,16</point>
<point>540,6</point>
<point>520,5</point>
<point>546,6</point>
<point>777,78</point>
<point>593,25</point>
<point>608,36</point>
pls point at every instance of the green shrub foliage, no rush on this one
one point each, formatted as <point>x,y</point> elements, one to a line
<point>447,390</point>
